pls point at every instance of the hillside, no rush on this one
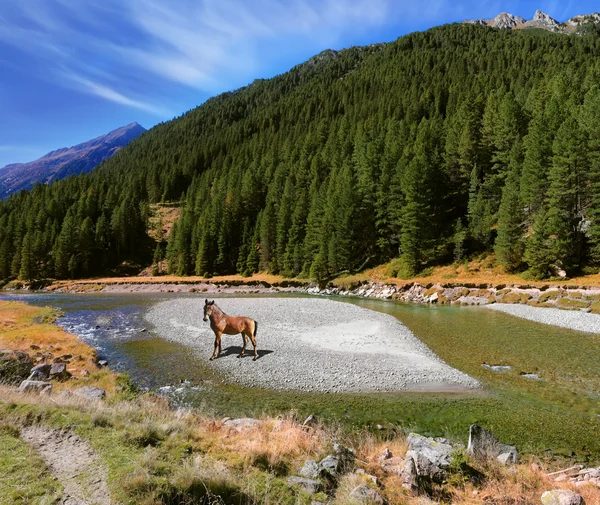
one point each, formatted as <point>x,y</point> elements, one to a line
<point>67,161</point>
<point>441,146</point>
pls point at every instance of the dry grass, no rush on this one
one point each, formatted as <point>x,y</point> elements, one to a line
<point>30,329</point>
<point>224,462</point>
<point>165,215</point>
<point>479,271</point>
<point>98,283</point>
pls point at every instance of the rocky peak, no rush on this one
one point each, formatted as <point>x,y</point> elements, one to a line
<point>506,20</point>
<point>542,16</point>
<point>540,20</point>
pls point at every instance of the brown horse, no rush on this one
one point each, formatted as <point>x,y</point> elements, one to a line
<point>230,325</point>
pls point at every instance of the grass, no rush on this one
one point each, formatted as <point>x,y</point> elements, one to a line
<point>30,329</point>
<point>155,455</point>
<point>197,459</point>
<point>24,478</point>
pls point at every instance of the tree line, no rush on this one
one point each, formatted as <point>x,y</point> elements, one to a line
<point>456,141</point>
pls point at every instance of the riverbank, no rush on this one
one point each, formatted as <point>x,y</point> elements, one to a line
<point>553,295</point>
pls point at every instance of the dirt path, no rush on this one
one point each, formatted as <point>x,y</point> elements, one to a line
<point>73,462</point>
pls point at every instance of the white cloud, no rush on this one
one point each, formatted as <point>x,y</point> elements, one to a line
<point>111,95</point>
<point>108,47</point>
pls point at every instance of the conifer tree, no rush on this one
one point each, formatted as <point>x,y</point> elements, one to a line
<point>509,246</point>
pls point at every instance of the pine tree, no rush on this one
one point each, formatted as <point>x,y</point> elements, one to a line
<point>509,246</point>
<point>539,247</point>
<point>28,267</point>
<point>566,193</point>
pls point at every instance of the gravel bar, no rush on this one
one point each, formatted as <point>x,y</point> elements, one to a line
<point>571,319</point>
<point>311,344</point>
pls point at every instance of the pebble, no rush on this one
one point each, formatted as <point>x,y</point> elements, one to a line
<point>571,319</point>
<point>312,345</point>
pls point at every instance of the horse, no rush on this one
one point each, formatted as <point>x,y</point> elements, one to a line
<point>230,325</point>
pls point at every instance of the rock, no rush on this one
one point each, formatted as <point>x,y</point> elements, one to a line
<point>366,494</point>
<point>102,363</point>
<point>242,423</point>
<point>431,456</point>
<point>484,445</point>
<point>90,393</point>
<point>409,475</point>
<point>47,391</point>
<point>506,458</point>
<point>15,366</point>
<point>385,454</point>
<point>310,470</point>
<point>393,465</point>
<point>58,371</point>
<point>65,394</point>
<point>310,485</point>
<point>329,465</point>
<point>40,373</point>
<point>562,497</point>
<point>310,421</point>
<point>28,386</point>
<point>346,457</point>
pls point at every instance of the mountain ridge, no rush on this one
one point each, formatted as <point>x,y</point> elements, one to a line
<point>65,161</point>
<point>540,20</point>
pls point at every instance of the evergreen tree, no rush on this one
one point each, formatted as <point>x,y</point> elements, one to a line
<point>509,246</point>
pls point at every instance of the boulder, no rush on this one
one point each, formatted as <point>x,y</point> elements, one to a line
<point>330,466</point>
<point>28,386</point>
<point>90,393</point>
<point>310,485</point>
<point>310,470</point>
<point>562,497</point>
<point>15,366</point>
<point>431,456</point>
<point>484,445</point>
<point>40,373</point>
<point>366,495</point>
<point>58,371</point>
<point>346,457</point>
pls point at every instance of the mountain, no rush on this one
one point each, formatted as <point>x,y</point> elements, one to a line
<point>540,20</point>
<point>66,161</point>
<point>444,145</point>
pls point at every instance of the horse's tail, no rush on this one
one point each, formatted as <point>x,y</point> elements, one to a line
<point>255,329</point>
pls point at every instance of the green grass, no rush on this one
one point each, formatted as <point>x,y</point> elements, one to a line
<point>24,479</point>
<point>558,415</point>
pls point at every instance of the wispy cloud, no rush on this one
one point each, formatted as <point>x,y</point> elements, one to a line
<point>111,95</point>
<point>112,47</point>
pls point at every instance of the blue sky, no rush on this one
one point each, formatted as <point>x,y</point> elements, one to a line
<point>71,70</point>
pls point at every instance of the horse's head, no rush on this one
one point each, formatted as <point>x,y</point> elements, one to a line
<point>208,309</point>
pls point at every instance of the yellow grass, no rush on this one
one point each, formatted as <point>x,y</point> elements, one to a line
<point>482,271</point>
<point>24,328</point>
<point>96,284</point>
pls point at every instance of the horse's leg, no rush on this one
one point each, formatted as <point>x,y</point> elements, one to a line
<point>217,344</point>
<point>245,344</point>
<point>254,344</point>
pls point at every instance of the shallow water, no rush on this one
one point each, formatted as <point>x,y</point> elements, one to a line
<point>559,412</point>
